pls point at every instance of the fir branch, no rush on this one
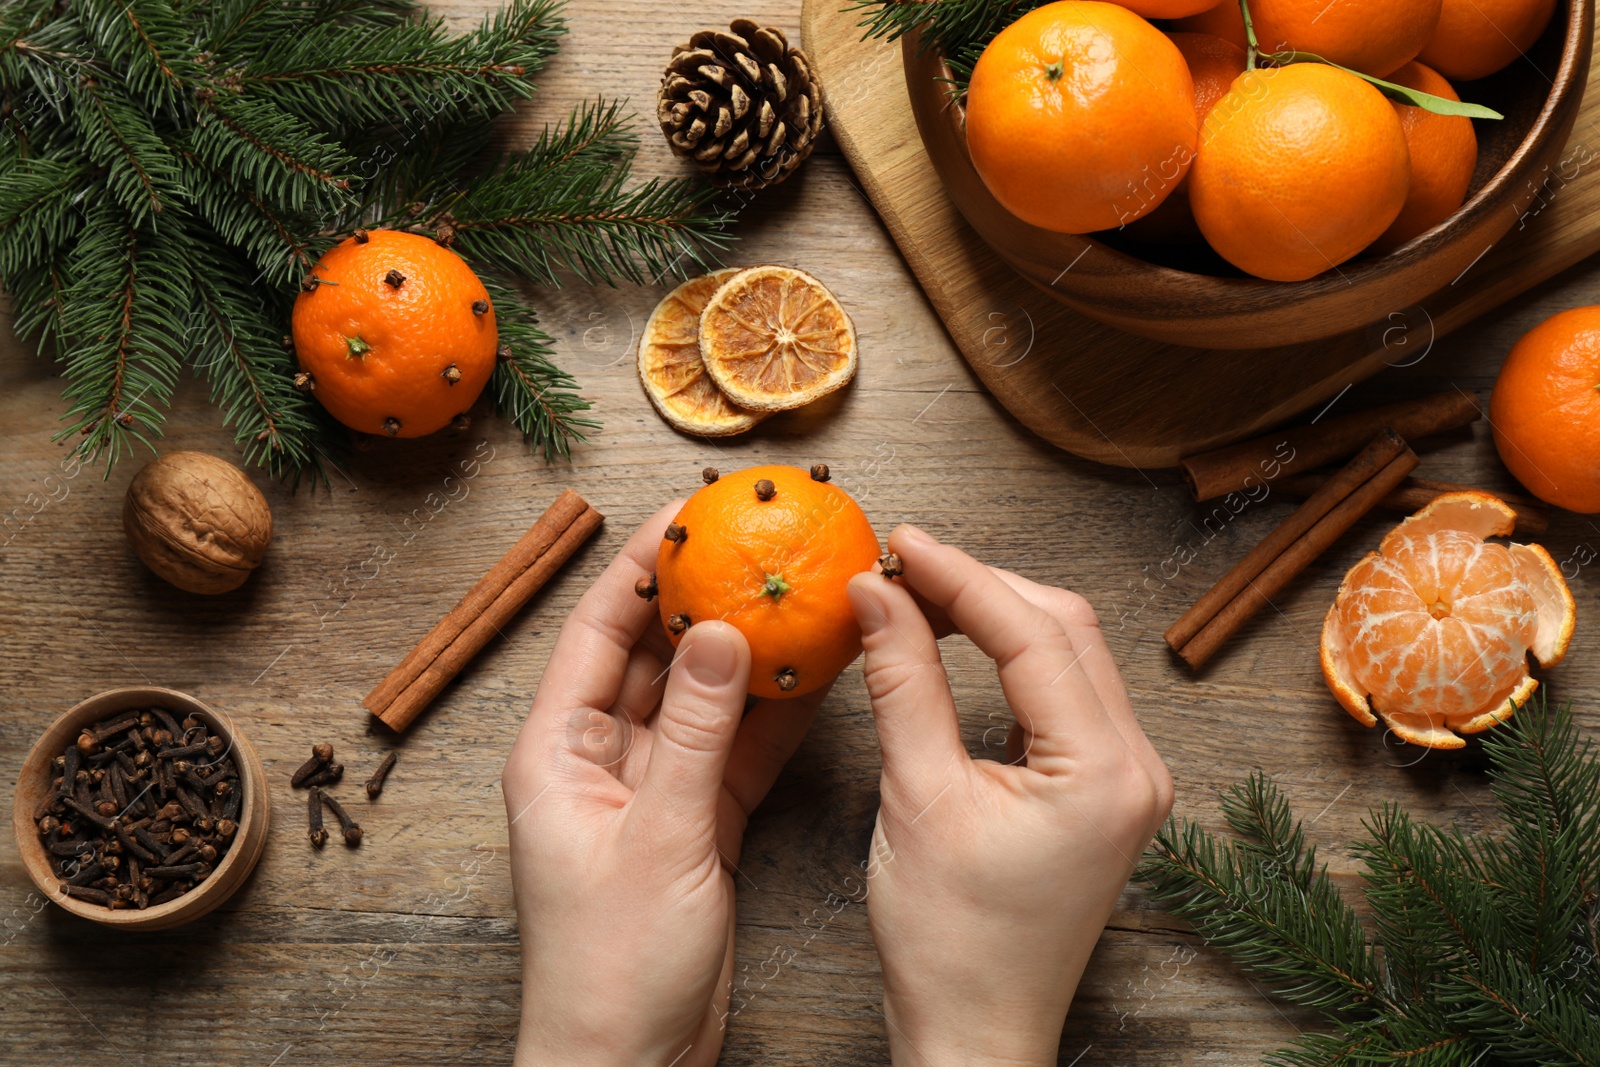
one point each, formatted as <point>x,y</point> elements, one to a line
<point>384,70</point>
<point>122,318</point>
<point>1306,942</point>
<point>563,206</point>
<point>276,155</point>
<point>39,210</point>
<point>270,239</point>
<point>538,397</point>
<point>141,171</point>
<point>1487,942</point>
<point>239,350</point>
<point>145,40</point>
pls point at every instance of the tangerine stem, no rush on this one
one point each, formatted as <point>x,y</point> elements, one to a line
<point>1055,70</point>
<point>775,586</point>
<point>357,346</point>
<point>1252,50</point>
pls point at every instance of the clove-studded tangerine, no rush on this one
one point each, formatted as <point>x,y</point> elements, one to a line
<point>769,551</point>
<point>395,333</point>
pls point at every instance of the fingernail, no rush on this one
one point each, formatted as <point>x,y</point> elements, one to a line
<point>870,615</point>
<point>913,534</point>
<point>711,659</point>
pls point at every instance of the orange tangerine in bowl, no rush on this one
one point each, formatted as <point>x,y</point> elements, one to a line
<point>1431,633</point>
<point>1080,117</point>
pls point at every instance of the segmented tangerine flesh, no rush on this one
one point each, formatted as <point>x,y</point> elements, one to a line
<point>672,371</point>
<point>775,338</point>
<point>1431,633</point>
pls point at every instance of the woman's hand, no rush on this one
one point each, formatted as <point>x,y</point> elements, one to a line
<point>628,791</point>
<point>989,883</point>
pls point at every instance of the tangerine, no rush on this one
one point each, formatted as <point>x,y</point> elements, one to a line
<point>1080,116</point>
<point>1214,64</point>
<point>1475,38</point>
<point>1432,631</point>
<point>1444,152</point>
<point>396,333</point>
<point>1300,168</point>
<point>770,550</point>
<point>1373,36</point>
<point>1545,410</point>
<point>1169,9</point>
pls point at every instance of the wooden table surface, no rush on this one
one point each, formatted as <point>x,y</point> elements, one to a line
<point>405,951</point>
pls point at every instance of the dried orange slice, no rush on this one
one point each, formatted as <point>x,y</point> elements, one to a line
<point>774,338</point>
<point>672,371</point>
<point>1432,632</point>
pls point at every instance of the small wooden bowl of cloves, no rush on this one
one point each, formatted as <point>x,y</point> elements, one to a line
<point>141,808</point>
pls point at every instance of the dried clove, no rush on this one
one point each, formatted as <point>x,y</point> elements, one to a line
<point>820,472</point>
<point>352,829</point>
<point>314,830</point>
<point>787,679</point>
<point>676,533</point>
<point>646,588</point>
<point>710,474</point>
<point>677,623</point>
<point>329,775</point>
<point>321,756</point>
<point>375,783</point>
<point>890,565</point>
<point>765,490</point>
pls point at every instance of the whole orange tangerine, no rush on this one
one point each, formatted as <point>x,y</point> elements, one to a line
<point>1545,410</point>
<point>1080,117</point>
<point>1372,36</point>
<point>396,333</point>
<point>1475,38</point>
<point>1300,168</point>
<point>770,550</point>
<point>1443,151</point>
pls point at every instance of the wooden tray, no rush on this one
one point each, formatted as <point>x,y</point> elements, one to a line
<point>1110,396</point>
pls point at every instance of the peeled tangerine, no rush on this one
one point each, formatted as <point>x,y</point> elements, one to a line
<point>1432,631</point>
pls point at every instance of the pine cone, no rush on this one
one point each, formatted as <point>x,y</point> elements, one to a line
<point>742,104</point>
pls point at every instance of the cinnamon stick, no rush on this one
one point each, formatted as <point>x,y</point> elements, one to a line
<point>488,606</point>
<point>1414,494</point>
<point>1298,449</point>
<point>1258,592</point>
<point>1377,455</point>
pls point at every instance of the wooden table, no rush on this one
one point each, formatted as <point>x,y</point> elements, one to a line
<point>405,951</point>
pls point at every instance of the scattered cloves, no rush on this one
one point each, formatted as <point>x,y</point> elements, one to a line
<point>646,588</point>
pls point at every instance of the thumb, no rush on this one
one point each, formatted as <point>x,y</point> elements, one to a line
<point>911,702</point>
<point>694,731</point>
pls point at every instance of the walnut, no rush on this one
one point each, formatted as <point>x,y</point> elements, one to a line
<point>197,521</point>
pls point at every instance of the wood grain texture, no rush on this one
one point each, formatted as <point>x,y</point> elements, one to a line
<point>405,950</point>
<point>1108,395</point>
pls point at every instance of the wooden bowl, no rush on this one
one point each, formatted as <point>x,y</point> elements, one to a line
<point>1191,296</point>
<point>230,874</point>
